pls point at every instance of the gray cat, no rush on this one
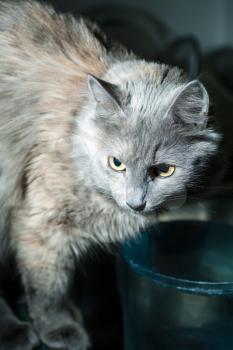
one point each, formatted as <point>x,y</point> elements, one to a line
<point>93,144</point>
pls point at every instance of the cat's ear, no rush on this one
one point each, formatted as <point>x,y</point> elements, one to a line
<point>191,105</point>
<point>106,95</point>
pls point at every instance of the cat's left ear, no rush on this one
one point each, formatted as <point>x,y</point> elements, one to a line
<point>191,105</point>
<point>106,95</point>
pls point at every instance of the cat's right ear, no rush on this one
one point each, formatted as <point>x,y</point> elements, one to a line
<point>106,96</point>
<point>191,105</point>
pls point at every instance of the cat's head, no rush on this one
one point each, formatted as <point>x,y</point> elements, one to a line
<point>144,141</point>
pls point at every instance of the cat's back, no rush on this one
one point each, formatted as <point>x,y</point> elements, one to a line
<point>44,59</point>
<point>36,31</point>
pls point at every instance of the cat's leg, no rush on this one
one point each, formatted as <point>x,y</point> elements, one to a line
<point>14,334</point>
<point>46,269</point>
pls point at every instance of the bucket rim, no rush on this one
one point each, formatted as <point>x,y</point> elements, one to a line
<point>208,288</point>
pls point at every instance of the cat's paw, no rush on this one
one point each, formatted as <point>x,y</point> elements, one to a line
<point>70,336</point>
<point>18,336</point>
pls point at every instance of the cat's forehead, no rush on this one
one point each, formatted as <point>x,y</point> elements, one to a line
<point>139,140</point>
<point>148,99</point>
<point>147,85</point>
<point>145,127</point>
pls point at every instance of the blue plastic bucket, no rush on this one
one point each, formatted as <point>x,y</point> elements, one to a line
<point>176,284</point>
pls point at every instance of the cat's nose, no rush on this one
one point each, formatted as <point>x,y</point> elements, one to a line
<point>137,206</point>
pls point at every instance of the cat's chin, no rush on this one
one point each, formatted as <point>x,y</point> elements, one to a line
<point>150,212</point>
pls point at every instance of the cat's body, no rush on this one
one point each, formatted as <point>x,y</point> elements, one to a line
<point>57,192</point>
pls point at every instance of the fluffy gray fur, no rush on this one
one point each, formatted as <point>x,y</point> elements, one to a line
<point>66,105</point>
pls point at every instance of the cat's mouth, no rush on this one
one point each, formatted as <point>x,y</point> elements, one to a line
<point>148,211</point>
<point>144,211</point>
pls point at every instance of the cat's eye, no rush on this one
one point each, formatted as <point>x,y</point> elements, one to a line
<point>165,170</point>
<point>116,164</point>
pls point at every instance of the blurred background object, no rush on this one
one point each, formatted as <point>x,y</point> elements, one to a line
<point>209,21</point>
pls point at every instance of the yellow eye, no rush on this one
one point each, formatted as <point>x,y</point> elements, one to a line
<point>165,170</point>
<point>116,164</point>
